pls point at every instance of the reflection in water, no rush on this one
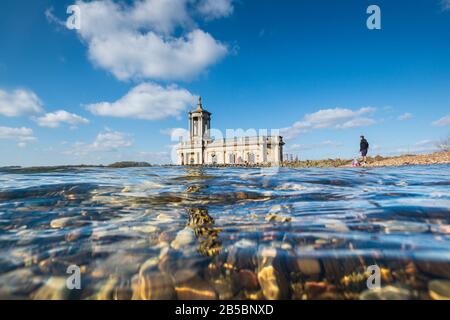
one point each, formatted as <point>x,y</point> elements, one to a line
<point>230,233</point>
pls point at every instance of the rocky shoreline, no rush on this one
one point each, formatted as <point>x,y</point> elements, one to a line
<point>377,161</point>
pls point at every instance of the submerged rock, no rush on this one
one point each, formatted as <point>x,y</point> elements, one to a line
<point>309,267</point>
<point>166,237</point>
<point>278,218</point>
<point>321,290</point>
<point>149,265</point>
<point>18,283</point>
<point>54,289</point>
<point>145,228</point>
<point>241,258</point>
<point>189,286</point>
<point>106,289</point>
<point>155,286</point>
<point>273,283</point>
<point>386,293</point>
<point>62,222</point>
<point>335,268</point>
<point>435,268</point>
<point>246,279</point>
<point>184,238</point>
<point>439,289</point>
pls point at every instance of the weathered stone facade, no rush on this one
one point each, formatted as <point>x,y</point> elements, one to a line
<point>201,149</point>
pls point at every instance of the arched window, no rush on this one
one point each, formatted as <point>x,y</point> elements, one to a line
<point>251,158</point>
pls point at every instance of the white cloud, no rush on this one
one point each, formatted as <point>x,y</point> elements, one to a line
<point>337,118</point>
<point>147,101</point>
<point>55,119</point>
<point>176,133</point>
<point>151,39</point>
<point>303,147</point>
<point>52,18</point>
<point>422,146</point>
<point>111,141</point>
<point>106,141</point>
<point>445,4</point>
<point>426,142</point>
<point>444,121</point>
<point>213,9</point>
<point>21,135</point>
<point>19,102</point>
<point>405,116</point>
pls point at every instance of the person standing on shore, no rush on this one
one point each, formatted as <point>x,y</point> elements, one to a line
<point>364,148</point>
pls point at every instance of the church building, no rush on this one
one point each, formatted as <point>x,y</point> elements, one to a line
<point>201,149</point>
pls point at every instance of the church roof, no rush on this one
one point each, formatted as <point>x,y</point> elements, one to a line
<point>199,108</point>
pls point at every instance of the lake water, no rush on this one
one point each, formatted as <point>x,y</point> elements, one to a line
<point>225,233</point>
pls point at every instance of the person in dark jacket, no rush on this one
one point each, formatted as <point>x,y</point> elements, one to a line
<point>364,148</point>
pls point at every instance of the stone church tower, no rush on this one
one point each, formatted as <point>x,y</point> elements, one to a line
<point>201,149</point>
<point>199,128</point>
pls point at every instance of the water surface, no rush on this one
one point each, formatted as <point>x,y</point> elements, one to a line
<point>225,233</point>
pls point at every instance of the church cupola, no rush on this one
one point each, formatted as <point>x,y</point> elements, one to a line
<point>199,122</point>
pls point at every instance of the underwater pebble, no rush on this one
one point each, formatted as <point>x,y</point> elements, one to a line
<point>189,286</point>
<point>309,267</point>
<point>439,289</point>
<point>435,268</point>
<point>164,218</point>
<point>155,286</point>
<point>313,289</point>
<point>403,226</point>
<point>276,217</point>
<point>166,237</point>
<point>224,288</point>
<point>337,226</point>
<point>18,282</point>
<point>145,229</point>
<point>184,237</point>
<point>54,289</point>
<point>106,290</point>
<point>247,279</point>
<point>150,264</point>
<point>73,235</point>
<point>61,222</point>
<point>386,293</point>
<point>273,284</point>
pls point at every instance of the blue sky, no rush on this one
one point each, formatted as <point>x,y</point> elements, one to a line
<point>116,87</point>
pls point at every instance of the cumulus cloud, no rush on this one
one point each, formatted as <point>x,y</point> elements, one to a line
<point>21,135</point>
<point>111,141</point>
<point>106,141</point>
<point>304,147</point>
<point>444,121</point>
<point>213,9</point>
<point>19,102</point>
<point>142,40</point>
<point>147,101</point>
<point>337,118</point>
<point>176,133</point>
<point>405,116</point>
<point>445,4</point>
<point>55,119</point>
